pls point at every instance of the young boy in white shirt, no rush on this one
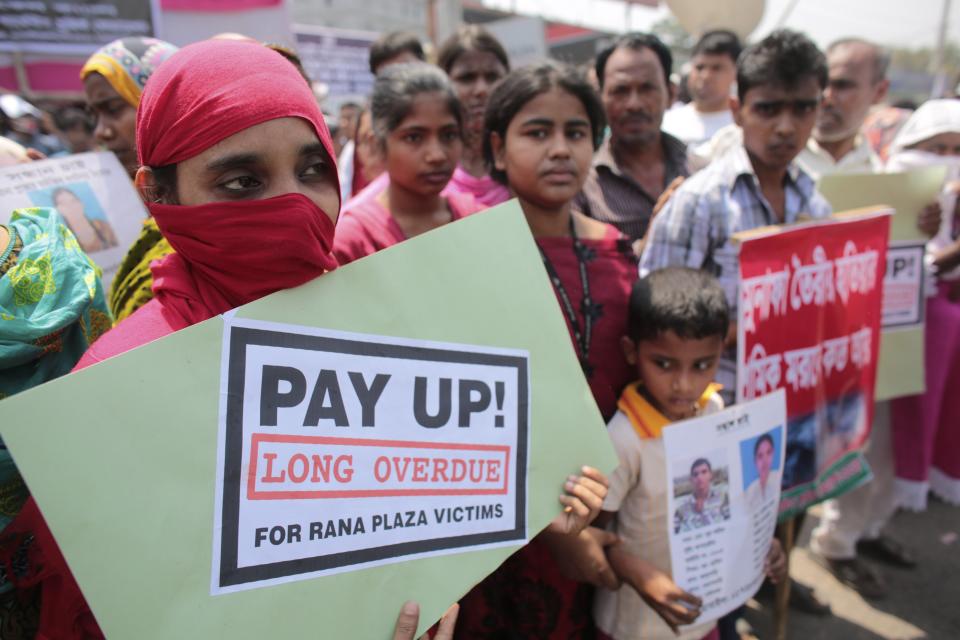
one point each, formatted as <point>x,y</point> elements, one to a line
<point>678,319</point>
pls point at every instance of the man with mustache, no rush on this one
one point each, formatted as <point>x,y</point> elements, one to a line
<point>852,523</point>
<point>638,161</point>
<point>755,183</point>
<point>856,81</point>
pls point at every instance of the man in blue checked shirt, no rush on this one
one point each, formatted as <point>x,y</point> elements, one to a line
<point>757,183</point>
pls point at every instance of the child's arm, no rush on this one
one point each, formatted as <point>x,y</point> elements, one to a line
<point>577,547</point>
<point>657,589</point>
<point>775,565</point>
<point>581,557</point>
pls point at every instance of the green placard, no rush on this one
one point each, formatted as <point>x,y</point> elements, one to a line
<point>900,366</point>
<point>122,457</point>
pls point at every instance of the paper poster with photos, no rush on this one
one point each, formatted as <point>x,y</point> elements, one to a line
<point>809,320</point>
<point>723,471</point>
<point>94,196</point>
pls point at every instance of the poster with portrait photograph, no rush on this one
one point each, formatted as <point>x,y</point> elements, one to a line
<point>809,322</point>
<point>93,195</point>
<point>724,470</point>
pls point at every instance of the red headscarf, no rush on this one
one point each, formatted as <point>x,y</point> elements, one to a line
<point>229,253</point>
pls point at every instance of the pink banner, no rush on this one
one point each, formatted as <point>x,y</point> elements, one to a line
<point>8,79</point>
<point>54,77</point>
<point>218,6</point>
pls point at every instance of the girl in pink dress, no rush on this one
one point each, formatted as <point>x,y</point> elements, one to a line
<point>418,123</point>
<point>475,62</point>
<point>542,126</point>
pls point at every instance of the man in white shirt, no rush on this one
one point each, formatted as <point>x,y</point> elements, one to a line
<point>712,74</point>
<point>857,81</point>
<point>852,524</point>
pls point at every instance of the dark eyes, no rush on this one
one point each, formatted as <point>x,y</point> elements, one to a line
<point>767,109</point>
<point>667,365</point>
<point>247,183</point>
<point>112,108</point>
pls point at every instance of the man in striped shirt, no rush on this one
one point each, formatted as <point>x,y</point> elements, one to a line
<point>632,168</point>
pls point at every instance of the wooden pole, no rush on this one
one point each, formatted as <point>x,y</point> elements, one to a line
<point>782,599</point>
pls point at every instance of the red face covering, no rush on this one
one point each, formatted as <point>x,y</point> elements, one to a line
<point>229,253</point>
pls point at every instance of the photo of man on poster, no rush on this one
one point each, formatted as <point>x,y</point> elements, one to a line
<point>707,504</point>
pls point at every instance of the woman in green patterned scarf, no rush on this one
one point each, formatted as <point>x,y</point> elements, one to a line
<point>113,79</point>
<point>51,309</point>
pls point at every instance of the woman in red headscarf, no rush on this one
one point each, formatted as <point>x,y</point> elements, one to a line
<point>237,170</point>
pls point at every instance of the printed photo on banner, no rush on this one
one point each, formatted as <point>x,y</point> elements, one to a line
<point>700,486</point>
<point>93,195</point>
<point>724,468</point>
<point>82,212</point>
<point>810,309</point>
<point>342,451</point>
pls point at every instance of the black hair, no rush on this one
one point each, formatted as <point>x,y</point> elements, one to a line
<point>881,56</point>
<point>396,88</point>
<point>699,462</point>
<point>392,44</point>
<point>73,117</point>
<point>764,438</point>
<point>783,59</point>
<point>687,301</point>
<point>165,178</point>
<point>470,38</point>
<point>293,58</point>
<point>523,85</point>
<point>637,41</point>
<point>719,42</point>
<point>56,192</point>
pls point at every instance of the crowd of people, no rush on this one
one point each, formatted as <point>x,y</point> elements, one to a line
<point>632,199</point>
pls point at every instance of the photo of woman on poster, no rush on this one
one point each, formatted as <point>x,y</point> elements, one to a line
<point>93,233</point>
<point>761,470</point>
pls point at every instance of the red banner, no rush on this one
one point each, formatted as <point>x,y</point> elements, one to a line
<point>809,321</point>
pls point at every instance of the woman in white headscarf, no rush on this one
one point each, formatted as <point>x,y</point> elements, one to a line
<point>926,427</point>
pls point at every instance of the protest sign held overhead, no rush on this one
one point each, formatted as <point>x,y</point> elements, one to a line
<point>723,470</point>
<point>809,322</point>
<point>392,448</point>
<point>354,390</point>
<point>92,193</point>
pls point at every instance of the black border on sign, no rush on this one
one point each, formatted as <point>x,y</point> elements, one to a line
<point>921,289</point>
<point>240,338</point>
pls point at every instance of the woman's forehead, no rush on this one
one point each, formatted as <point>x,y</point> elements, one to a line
<point>281,136</point>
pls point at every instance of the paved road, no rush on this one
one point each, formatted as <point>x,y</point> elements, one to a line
<point>922,603</point>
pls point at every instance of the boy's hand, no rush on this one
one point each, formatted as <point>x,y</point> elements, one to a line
<point>657,589</point>
<point>581,503</point>
<point>666,598</point>
<point>581,557</point>
<point>775,564</point>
